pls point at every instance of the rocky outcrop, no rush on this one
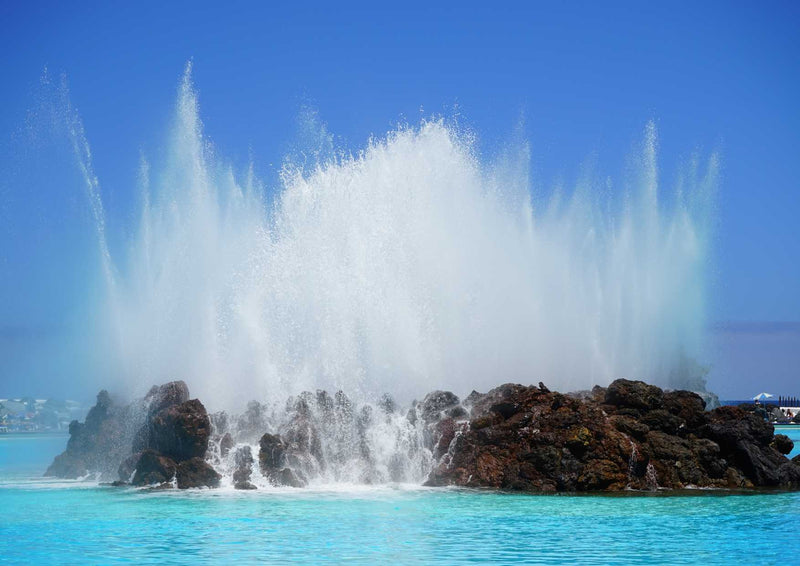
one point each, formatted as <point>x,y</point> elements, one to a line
<point>153,468</point>
<point>100,443</point>
<point>155,440</point>
<point>178,432</point>
<point>181,431</point>
<point>782,443</point>
<point>436,404</point>
<point>631,435</point>
<point>243,461</point>
<point>272,459</point>
<point>159,398</point>
<point>196,472</point>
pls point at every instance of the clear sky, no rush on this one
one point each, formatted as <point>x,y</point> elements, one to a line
<point>587,76</point>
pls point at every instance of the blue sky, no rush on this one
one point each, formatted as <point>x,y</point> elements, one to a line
<point>586,76</point>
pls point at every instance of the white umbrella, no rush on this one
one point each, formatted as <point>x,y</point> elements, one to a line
<point>763,396</point>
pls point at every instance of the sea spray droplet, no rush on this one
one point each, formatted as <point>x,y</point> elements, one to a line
<point>408,266</point>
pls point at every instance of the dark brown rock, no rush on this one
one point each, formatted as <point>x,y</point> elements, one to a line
<point>634,395</point>
<point>599,475</point>
<point>435,403</point>
<point>688,406</point>
<point>98,445</point>
<point>162,396</point>
<point>128,466</point>
<point>629,426</point>
<point>271,455</point>
<point>783,443</point>
<point>153,468</point>
<point>243,462</point>
<point>287,477</point>
<point>196,472</point>
<point>630,435</point>
<point>664,421</point>
<point>181,431</point>
<point>225,444</point>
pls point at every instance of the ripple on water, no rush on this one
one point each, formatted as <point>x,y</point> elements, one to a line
<point>80,522</point>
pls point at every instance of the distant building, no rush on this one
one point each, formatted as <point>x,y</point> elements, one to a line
<point>38,415</point>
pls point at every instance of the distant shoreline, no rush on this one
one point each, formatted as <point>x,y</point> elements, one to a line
<point>34,433</point>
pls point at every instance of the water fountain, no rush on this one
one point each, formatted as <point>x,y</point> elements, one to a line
<point>409,264</point>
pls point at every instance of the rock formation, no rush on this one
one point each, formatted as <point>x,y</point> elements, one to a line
<point>169,443</point>
<point>630,435</point>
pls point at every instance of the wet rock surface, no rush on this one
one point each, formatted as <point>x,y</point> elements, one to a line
<point>100,443</point>
<point>153,468</point>
<point>273,457</point>
<point>243,460</point>
<point>630,435</point>
<point>154,440</point>
<point>181,431</point>
<point>196,472</point>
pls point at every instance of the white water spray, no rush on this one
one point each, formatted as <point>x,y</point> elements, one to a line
<point>408,266</point>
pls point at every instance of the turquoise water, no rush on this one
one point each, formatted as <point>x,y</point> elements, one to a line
<point>792,432</point>
<point>77,523</point>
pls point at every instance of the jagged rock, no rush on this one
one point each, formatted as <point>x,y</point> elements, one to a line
<point>629,435</point>
<point>634,395</point>
<point>196,472</point>
<point>153,468</point>
<point>181,431</point>
<point>470,399</point>
<point>128,467</point>
<point>157,399</point>
<point>243,462</point>
<point>225,444</point>
<point>663,420</point>
<point>272,458</point>
<point>287,477</point>
<point>271,455</point>
<point>434,403</point>
<point>142,442</point>
<point>782,443</point>
<point>445,432</point>
<point>167,395</point>
<point>688,406</point>
<point>629,426</point>
<point>482,403</point>
<point>98,445</point>
<point>599,475</point>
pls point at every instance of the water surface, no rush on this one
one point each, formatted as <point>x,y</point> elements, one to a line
<point>46,521</point>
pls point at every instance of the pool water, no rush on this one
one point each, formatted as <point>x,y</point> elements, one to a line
<point>45,521</point>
